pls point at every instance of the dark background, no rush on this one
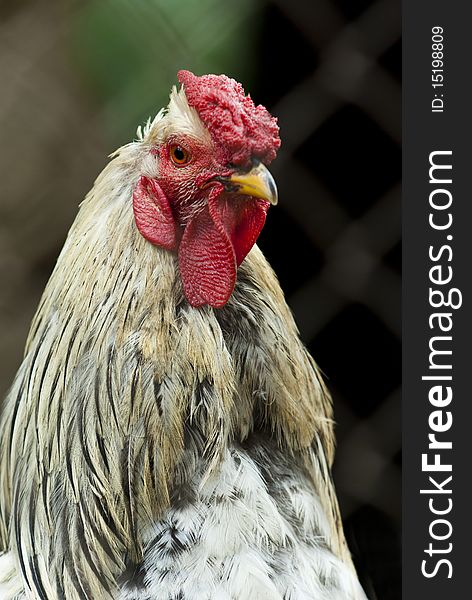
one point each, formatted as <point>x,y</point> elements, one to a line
<point>78,77</point>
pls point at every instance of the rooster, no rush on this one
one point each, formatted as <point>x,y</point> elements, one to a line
<point>167,435</point>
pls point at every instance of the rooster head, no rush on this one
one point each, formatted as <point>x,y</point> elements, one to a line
<point>206,190</point>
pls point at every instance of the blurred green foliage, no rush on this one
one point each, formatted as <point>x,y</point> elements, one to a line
<point>129,51</point>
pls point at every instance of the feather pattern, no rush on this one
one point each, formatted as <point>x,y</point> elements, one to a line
<point>154,451</point>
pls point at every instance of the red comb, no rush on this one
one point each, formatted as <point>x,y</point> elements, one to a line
<point>240,129</point>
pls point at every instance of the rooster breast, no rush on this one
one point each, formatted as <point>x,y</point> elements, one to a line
<point>253,531</point>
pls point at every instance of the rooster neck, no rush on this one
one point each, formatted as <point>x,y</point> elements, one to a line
<point>120,319</point>
<point>114,311</point>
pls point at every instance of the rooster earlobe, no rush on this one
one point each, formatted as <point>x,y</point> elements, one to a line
<point>153,214</point>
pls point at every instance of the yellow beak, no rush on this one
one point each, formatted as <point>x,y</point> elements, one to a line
<point>258,183</point>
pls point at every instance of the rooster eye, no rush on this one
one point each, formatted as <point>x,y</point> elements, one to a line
<point>179,155</point>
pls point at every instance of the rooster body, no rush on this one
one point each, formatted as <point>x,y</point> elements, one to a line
<point>160,443</point>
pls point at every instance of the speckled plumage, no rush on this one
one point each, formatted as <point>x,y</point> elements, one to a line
<point>154,451</point>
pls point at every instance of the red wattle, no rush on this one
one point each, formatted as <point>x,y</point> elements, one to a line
<point>242,218</point>
<point>153,214</point>
<point>207,262</point>
<point>214,244</point>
